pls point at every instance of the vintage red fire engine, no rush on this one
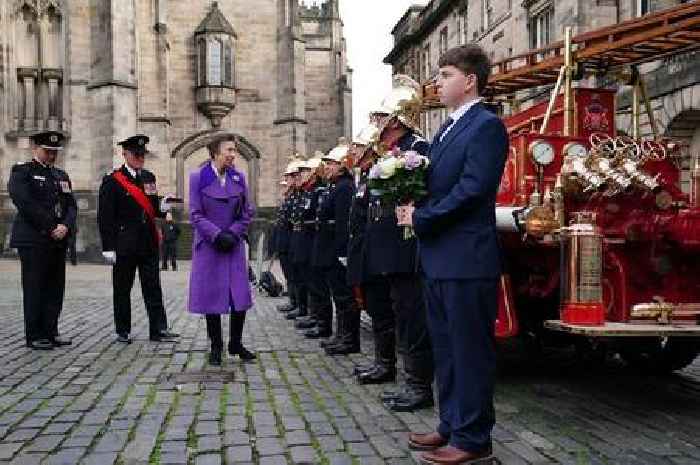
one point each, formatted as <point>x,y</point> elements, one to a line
<point>601,246</point>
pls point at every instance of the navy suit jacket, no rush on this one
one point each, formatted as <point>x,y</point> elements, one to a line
<point>456,226</point>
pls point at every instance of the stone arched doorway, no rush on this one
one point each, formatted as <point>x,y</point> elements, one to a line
<point>685,128</point>
<point>195,147</point>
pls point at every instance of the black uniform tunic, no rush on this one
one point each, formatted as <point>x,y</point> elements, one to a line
<point>124,229</point>
<point>394,258</point>
<point>44,199</point>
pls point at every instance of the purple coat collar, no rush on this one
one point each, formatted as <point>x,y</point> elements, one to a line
<point>207,177</point>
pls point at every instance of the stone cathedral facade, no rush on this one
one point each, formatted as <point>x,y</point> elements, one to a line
<point>273,72</point>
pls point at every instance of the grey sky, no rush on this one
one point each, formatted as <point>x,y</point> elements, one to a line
<point>368,25</point>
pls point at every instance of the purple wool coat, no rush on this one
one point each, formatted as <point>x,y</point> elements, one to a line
<point>218,280</point>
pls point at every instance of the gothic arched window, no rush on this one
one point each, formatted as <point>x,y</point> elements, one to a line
<point>39,57</point>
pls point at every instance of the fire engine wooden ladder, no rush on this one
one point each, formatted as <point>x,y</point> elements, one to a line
<point>652,37</point>
<point>649,38</point>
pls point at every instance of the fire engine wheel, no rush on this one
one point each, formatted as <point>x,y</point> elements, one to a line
<point>661,356</point>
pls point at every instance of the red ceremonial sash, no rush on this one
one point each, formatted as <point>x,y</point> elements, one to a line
<point>140,197</point>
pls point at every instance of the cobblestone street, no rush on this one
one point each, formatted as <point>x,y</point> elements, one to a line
<point>100,402</point>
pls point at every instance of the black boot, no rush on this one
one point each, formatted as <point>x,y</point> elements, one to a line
<point>329,342</point>
<point>235,345</point>
<point>348,324</point>
<point>305,322</point>
<point>293,315</point>
<point>317,332</point>
<point>215,358</point>
<point>284,308</point>
<point>384,355</point>
<point>359,369</point>
<point>379,375</point>
<point>414,398</point>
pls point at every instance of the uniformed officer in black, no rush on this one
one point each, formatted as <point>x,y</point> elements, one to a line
<point>170,232</point>
<point>374,290</point>
<point>45,220</point>
<point>394,258</point>
<point>320,320</point>
<point>130,240</point>
<point>282,231</point>
<point>298,245</point>
<point>330,251</point>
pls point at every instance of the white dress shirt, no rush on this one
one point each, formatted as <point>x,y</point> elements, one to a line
<point>131,171</point>
<point>458,113</point>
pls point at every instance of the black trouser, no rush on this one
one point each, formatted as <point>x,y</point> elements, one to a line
<point>286,265</point>
<point>300,275</point>
<point>123,274</point>
<point>235,332</point>
<point>378,306</point>
<point>319,294</point>
<point>412,329</point>
<point>43,285</point>
<point>169,253</point>
<point>347,315</point>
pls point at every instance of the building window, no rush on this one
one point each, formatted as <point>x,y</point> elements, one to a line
<point>214,62</point>
<point>487,14</point>
<point>443,40</point>
<point>540,26</point>
<point>426,62</point>
<point>39,53</point>
<point>642,7</point>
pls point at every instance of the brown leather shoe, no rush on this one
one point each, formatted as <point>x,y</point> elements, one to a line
<point>426,441</point>
<point>450,455</point>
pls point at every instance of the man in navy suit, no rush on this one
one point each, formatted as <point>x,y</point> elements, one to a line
<point>459,257</point>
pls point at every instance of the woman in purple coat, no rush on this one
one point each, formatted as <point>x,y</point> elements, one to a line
<point>220,215</point>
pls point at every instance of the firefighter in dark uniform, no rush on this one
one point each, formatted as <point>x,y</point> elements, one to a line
<point>299,255</point>
<point>45,220</point>
<point>373,292</point>
<point>330,251</point>
<point>170,232</point>
<point>319,302</point>
<point>128,206</point>
<point>390,256</point>
<point>280,243</point>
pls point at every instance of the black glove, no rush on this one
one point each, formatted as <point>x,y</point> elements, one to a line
<point>224,241</point>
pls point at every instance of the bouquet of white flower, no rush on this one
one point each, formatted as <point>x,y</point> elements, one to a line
<point>400,178</point>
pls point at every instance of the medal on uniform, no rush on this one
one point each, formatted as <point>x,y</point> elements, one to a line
<point>150,188</point>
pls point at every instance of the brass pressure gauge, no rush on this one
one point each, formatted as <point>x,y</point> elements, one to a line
<point>575,149</point>
<point>541,152</point>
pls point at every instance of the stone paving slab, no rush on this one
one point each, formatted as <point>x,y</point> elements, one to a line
<point>101,402</point>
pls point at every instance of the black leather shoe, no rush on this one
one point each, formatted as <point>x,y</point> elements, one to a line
<point>329,342</point>
<point>295,314</point>
<point>215,359</point>
<point>343,349</point>
<point>243,353</point>
<point>410,401</point>
<point>284,308</point>
<point>168,333</point>
<point>59,341</point>
<point>358,369</point>
<point>379,375</point>
<point>391,395</point>
<point>316,333</point>
<point>305,322</point>
<point>40,344</point>
<point>124,338</point>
